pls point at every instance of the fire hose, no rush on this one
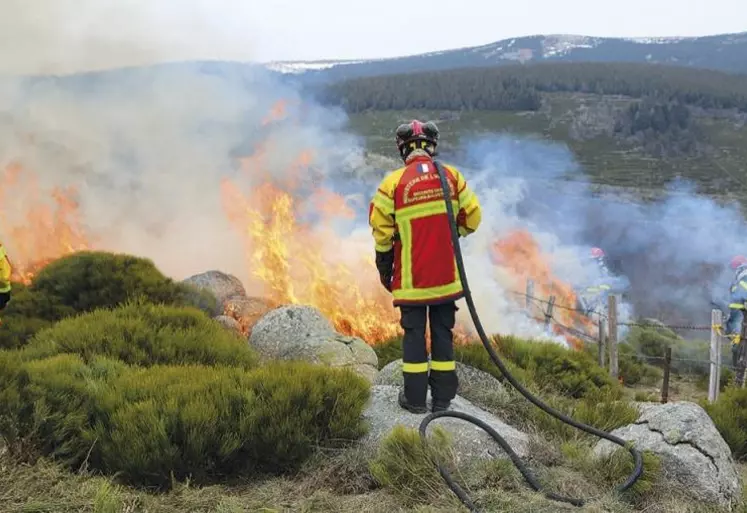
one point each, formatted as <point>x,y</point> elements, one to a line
<point>520,465</point>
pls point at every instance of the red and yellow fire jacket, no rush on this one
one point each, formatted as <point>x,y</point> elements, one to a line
<point>5,271</point>
<point>408,213</point>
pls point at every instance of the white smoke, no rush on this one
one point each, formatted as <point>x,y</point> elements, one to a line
<point>70,36</point>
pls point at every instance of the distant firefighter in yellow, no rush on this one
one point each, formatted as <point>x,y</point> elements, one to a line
<point>5,271</point>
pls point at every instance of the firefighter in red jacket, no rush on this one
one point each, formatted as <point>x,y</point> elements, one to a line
<point>416,263</point>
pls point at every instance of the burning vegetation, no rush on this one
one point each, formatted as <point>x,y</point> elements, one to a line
<point>294,255</point>
<point>520,253</point>
<point>41,226</point>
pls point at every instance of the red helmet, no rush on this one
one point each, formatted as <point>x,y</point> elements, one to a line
<point>597,253</point>
<point>421,135</point>
<point>738,261</point>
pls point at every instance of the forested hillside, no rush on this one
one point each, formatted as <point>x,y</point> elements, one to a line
<point>628,124</point>
<point>517,87</point>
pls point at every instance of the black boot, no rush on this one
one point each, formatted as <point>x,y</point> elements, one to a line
<point>412,408</point>
<point>440,406</point>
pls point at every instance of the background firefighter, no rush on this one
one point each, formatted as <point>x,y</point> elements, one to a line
<point>735,322</point>
<point>415,260</point>
<point>592,297</point>
<point>5,272</point>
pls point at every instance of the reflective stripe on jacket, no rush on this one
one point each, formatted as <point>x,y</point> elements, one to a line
<point>408,213</point>
<point>737,299</point>
<point>5,271</point>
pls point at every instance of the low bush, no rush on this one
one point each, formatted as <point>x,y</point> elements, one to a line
<point>568,372</point>
<point>726,378</point>
<point>405,466</point>
<point>632,368</point>
<point>543,365</point>
<point>143,334</point>
<point>155,424</point>
<point>613,469</point>
<point>652,339</point>
<point>729,414</point>
<point>388,351</point>
<point>84,281</point>
<point>601,409</point>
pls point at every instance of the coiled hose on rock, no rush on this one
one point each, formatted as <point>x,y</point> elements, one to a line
<point>531,479</point>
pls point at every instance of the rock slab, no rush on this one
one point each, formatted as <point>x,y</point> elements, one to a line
<point>299,332</point>
<point>222,285</point>
<point>692,451</point>
<point>469,441</point>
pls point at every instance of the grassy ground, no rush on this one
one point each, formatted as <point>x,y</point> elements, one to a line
<point>605,160</point>
<point>341,480</point>
<point>336,483</point>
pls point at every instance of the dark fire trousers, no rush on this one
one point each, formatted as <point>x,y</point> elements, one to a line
<point>442,378</point>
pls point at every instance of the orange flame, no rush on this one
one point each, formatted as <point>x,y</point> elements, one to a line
<point>297,263</point>
<point>41,233</point>
<point>521,254</point>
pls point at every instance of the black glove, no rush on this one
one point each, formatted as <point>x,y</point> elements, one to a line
<point>4,298</point>
<point>385,265</point>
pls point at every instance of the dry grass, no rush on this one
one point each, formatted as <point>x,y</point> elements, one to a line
<point>46,488</point>
<point>340,482</point>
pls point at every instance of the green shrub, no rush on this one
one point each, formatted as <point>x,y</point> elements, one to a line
<point>25,314</point>
<point>615,468</point>
<point>652,340</point>
<point>476,356</point>
<point>152,424</point>
<point>406,466</point>
<point>388,351</point>
<point>633,370</point>
<point>601,409</point>
<point>544,365</point>
<point>646,397</point>
<point>144,334</point>
<point>726,378</point>
<point>611,470</point>
<point>568,372</point>
<point>729,414</point>
<point>84,281</point>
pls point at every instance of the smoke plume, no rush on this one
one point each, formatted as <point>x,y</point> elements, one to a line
<point>70,36</point>
<point>674,251</point>
<point>147,150</point>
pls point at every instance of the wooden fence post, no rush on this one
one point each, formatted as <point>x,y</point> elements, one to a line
<point>718,365</point>
<point>713,384</point>
<point>667,368</point>
<point>602,342</point>
<point>529,294</point>
<point>548,314</point>
<point>612,334</point>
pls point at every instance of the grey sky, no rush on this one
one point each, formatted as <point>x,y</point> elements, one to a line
<point>70,35</point>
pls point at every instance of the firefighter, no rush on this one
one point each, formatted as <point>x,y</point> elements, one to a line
<point>5,272</point>
<point>591,298</point>
<point>734,323</point>
<point>415,260</point>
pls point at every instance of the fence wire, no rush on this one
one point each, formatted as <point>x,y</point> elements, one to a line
<point>550,319</point>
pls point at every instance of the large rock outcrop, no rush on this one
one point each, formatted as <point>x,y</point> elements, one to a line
<point>222,285</point>
<point>469,441</point>
<point>692,451</point>
<point>297,332</point>
<point>475,385</point>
